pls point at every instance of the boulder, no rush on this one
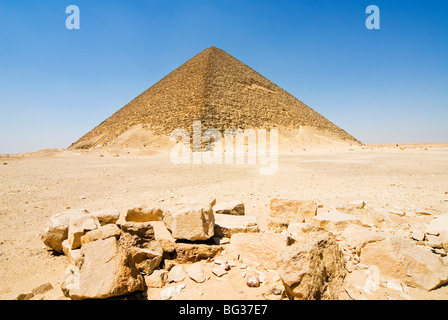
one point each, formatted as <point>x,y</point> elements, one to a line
<point>190,221</point>
<point>107,216</point>
<point>143,214</point>
<point>74,255</point>
<point>146,260</point>
<point>259,248</point>
<point>163,236</point>
<point>136,234</point>
<point>439,226</point>
<point>232,208</point>
<point>227,225</point>
<point>106,270</point>
<point>103,232</point>
<point>293,210</point>
<point>312,268</point>
<point>399,258</point>
<point>57,228</point>
<point>157,279</point>
<point>277,225</point>
<point>79,226</point>
<point>192,252</point>
<point>335,220</point>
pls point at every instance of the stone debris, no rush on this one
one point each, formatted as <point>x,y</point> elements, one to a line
<point>348,253</point>
<point>293,210</point>
<point>227,225</point>
<point>233,208</point>
<point>142,213</point>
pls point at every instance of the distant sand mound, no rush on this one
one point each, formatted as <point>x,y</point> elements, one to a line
<point>221,92</point>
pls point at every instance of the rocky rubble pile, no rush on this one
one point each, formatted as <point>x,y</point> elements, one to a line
<point>350,252</point>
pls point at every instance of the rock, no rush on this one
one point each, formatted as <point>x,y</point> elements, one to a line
<point>312,268</point>
<point>334,220</point>
<point>168,293</point>
<point>439,226</point>
<point>107,216</point>
<point>232,208</point>
<point>277,225</point>
<point>143,214</point>
<point>176,274</point>
<point>417,235</point>
<point>357,237</point>
<point>157,279</point>
<point>106,270</point>
<point>136,234</point>
<point>190,221</point>
<point>357,204</point>
<point>399,258</point>
<point>293,210</point>
<point>227,225</point>
<point>218,270</point>
<point>57,228</point>
<point>252,279</point>
<point>188,252</point>
<point>79,226</point>
<point>74,255</point>
<point>104,232</point>
<point>434,241</point>
<point>163,236</point>
<point>146,260</point>
<point>365,280</point>
<point>299,229</point>
<point>42,289</point>
<point>196,272</point>
<point>259,248</point>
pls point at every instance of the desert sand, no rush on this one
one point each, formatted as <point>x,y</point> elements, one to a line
<point>34,186</point>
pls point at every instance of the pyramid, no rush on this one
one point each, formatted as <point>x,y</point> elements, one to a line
<point>221,92</point>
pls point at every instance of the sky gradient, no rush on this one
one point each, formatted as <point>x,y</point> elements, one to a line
<point>381,86</point>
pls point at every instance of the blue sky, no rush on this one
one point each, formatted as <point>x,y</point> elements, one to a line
<point>381,86</point>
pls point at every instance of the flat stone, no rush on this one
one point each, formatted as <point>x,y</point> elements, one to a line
<point>176,274</point>
<point>107,216</point>
<point>196,272</point>
<point>79,226</point>
<point>103,232</point>
<point>227,225</point>
<point>293,210</point>
<point>259,248</point>
<point>141,213</point>
<point>232,208</point>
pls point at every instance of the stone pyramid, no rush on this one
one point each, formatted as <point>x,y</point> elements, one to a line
<point>221,92</point>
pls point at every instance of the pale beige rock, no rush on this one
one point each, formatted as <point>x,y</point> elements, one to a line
<point>196,272</point>
<point>299,229</point>
<point>439,226</point>
<point>434,241</point>
<point>143,213</point>
<point>399,258</point>
<point>79,226</point>
<point>357,204</point>
<point>57,228</point>
<point>259,248</point>
<point>106,270</point>
<point>218,270</point>
<point>252,279</point>
<point>157,279</point>
<point>146,260</point>
<point>163,236</point>
<point>176,274</point>
<point>418,235</point>
<point>190,221</point>
<point>335,220</point>
<point>357,236</point>
<point>103,232</point>
<point>277,225</point>
<point>107,216</point>
<point>74,255</point>
<point>312,268</point>
<point>231,207</point>
<point>293,210</point>
<point>226,225</point>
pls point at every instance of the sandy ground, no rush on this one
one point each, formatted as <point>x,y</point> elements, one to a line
<point>35,186</point>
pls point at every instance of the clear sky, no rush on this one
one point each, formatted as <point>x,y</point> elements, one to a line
<point>381,86</point>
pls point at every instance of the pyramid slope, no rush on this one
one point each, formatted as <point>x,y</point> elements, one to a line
<point>217,89</point>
